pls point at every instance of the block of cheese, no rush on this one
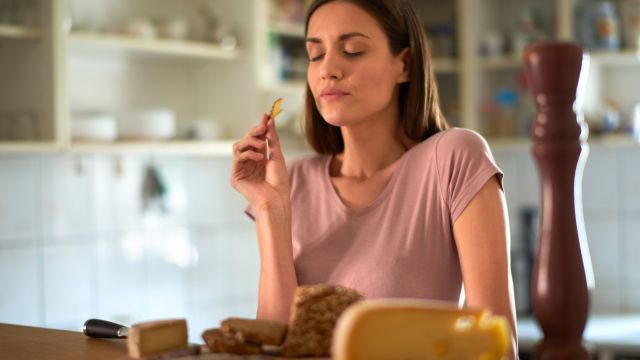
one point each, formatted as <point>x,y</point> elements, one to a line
<point>263,332</point>
<point>389,329</point>
<point>155,337</point>
<point>314,313</point>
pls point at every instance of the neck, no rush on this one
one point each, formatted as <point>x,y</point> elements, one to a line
<point>372,145</point>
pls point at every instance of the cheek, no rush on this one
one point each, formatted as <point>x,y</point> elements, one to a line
<point>375,82</point>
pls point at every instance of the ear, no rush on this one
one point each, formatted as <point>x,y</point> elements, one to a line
<point>405,60</point>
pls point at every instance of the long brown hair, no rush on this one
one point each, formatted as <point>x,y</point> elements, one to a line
<point>420,113</point>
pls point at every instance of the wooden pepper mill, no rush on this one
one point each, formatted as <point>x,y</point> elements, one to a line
<point>562,274</point>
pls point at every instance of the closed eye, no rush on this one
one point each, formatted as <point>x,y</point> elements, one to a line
<point>316,58</point>
<point>346,53</point>
<point>352,54</point>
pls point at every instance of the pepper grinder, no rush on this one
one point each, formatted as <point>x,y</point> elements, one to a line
<point>562,275</point>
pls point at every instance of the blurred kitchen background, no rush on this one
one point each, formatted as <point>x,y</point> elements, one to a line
<point>117,119</point>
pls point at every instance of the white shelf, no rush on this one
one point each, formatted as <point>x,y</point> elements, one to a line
<point>175,48</point>
<point>19,147</point>
<point>18,32</point>
<point>445,65</point>
<point>199,148</point>
<point>595,141</point>
<point>508,62</point>
<point>293,30</point>
<point>616,58</point>
<point>286,87</point>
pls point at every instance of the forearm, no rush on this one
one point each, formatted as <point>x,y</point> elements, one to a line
<point>277,274</point>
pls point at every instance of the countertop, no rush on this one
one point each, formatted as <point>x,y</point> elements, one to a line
<point>24,342</point>
<point>605,335</point>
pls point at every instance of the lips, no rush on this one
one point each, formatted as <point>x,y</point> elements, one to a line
<point>333,93</point>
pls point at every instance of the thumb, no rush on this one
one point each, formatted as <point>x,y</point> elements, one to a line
<point>274,142</point>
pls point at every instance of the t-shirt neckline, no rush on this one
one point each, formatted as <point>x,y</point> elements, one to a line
<point>375,203</point>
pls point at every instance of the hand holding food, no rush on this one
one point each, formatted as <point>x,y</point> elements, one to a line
<point>258,171</point>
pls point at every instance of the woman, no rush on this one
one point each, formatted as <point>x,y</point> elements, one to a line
<point>394,204</point>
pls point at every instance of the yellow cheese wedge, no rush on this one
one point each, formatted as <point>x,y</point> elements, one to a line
<point>154,337</point>
<point>391,329</point>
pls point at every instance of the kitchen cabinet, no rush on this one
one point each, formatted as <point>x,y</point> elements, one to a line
<point>94,57</point>
<point>73,58</point>
<point>28,90</point>
<point>481,81</point>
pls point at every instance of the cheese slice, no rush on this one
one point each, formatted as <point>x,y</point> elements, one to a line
<point>391,329</point>
<point>155,337</point>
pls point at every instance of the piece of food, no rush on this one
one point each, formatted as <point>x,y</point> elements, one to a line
<point>213,339</point>
<point>314,313</point>
<point>263,332</point>
<point>275,108</point>
<point>153,337</point>
<point>218,342</point>
<point>175,354</point>
<point>393,329</point>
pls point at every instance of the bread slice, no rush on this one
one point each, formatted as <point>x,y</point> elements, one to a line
<point>263,332</point>
<point>218,342</point>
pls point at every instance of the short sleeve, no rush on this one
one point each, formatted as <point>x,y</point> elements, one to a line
<point>465,164</point>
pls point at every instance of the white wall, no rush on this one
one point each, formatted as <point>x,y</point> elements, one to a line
<point>75,243</point>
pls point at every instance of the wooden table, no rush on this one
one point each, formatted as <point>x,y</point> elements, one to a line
<point>24,342</point>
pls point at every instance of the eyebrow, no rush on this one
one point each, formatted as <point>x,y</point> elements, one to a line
<point>343,37</point>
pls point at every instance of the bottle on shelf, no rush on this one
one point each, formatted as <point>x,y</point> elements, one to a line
<point>598,25</point>
<point>505,121</point>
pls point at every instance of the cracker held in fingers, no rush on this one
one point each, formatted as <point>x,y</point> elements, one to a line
<point>275,111</point>
<point>275,108</point>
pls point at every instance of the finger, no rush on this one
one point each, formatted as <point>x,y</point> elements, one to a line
<point>258,130</point>
<point>264,120</point>
<point>250,155</point>
<point>248,144</point>
<point>274,141</point>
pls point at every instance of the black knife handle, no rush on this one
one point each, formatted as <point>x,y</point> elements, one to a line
<point>102,329</point>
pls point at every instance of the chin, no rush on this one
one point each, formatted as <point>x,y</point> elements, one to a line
<point>338,119</point>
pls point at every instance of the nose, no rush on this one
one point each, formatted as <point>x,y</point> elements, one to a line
<point>330,68</point>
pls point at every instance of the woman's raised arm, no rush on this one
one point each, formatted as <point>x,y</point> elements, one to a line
<point>264,182</point>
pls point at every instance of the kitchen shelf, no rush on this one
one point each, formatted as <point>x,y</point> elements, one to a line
<point>19,32</point>
<point>508,62</point>
<point>19,147</point>
<point>596,141</point>
<point>445,65</point>
<point>174,48</point>
<point>615,58</point>
<point>294,30</point>
<point>286,87</point>
<point>176,147</point>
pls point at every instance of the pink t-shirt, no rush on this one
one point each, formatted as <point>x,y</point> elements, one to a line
<point>402,244</point>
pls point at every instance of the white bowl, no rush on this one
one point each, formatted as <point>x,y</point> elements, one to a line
<point>157,124</point>
<point>93,128</point>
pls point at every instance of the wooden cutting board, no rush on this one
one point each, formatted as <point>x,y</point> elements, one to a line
<point>25,342</point>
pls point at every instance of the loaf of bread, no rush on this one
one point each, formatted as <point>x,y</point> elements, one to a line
<point>314,313</point>
<point>263,332</point>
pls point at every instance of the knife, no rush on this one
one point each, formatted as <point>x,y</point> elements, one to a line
<point>103,329</point>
